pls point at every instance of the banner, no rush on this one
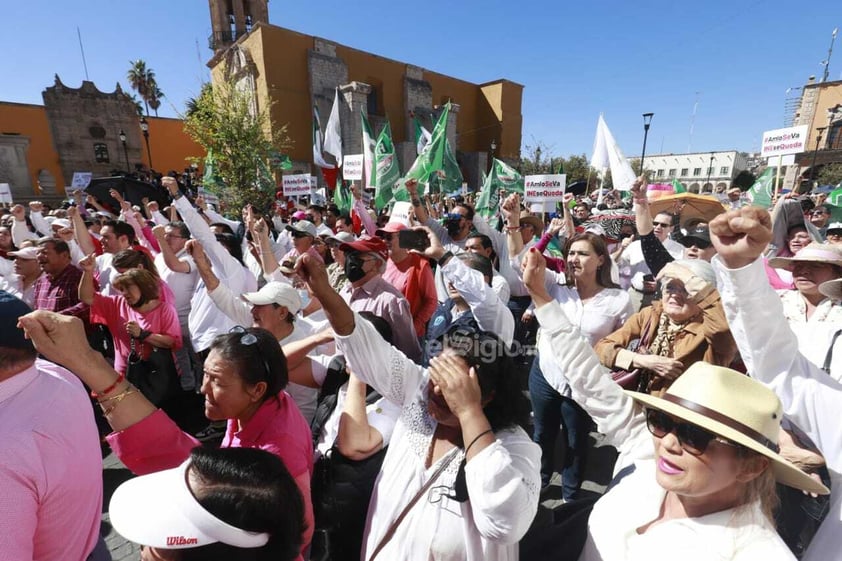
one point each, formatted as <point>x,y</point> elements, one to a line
<point>780,142</point>
<point>81,180</point>
<point>544,188</point>
<point>6,193</point>
<point>295,185</point>
<point>607,154</point>
<point>352,167</point>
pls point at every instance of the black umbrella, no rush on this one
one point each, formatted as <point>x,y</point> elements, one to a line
<point>133,190</point>
<point>577,187</point>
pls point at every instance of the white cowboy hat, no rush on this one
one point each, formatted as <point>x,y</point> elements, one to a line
<point>814,253</point>
<point>736,407</point>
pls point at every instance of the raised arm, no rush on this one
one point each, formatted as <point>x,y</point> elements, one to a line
<point>171,260</point>
<point>642,218</point>
<point>421,213</point>
<point>86,285</point>
<point>368,224</point>
<point>357,439</point>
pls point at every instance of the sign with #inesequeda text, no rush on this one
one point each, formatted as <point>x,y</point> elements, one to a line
<point>544,188</point>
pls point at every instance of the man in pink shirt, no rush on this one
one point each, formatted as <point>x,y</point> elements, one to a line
<point>412,275</point>
<point>51,467</point>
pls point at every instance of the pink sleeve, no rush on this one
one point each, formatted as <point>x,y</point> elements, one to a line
<point>105,309</point>
<point>544,242</point>
<point>153,444</point>
<point>365,217</point>
<point>150,237</point>
<point>555,264</point>
<point>169,324</point>
<point>19,504</point>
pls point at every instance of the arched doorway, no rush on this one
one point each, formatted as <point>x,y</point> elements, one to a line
<point>46,182</point>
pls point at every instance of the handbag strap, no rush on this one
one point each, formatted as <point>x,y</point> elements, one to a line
<point>394,526</point>
<point>645,339</point>
<point>828,358</point>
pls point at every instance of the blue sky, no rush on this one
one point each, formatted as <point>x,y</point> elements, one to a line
<point>575,59</point>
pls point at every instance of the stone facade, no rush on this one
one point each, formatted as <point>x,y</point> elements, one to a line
<point>85,124</point>
<point>13,166</point>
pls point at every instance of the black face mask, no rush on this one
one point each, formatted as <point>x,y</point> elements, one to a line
<point>354,268</point>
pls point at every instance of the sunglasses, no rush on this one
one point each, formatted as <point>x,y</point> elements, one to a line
<point>299,235</point>
<point>690,242</point>
<point>662,224</point>
<point>247,339</point>
<point>693,439</point>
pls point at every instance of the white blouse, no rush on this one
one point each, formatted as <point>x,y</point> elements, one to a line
<point>503,480</point>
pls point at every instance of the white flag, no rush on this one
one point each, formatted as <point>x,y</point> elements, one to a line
<point>318,158</point>
<point>608,154</point>
<point>333,133</point>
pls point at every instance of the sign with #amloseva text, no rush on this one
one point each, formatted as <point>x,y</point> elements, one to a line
<point>780,142</point>
<point>297,184</point>
<point>546,188</point>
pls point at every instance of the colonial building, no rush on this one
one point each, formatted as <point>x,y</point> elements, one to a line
<point>290,72</point>
<point>700,172</point>
<point>78,130</point>
<point>821,110</point>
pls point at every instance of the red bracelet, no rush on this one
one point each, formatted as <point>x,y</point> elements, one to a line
<point>109,389</point>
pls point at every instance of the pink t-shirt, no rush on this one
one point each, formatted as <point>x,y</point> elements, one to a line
<point>115,312</point>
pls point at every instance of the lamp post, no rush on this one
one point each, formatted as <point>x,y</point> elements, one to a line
<point>647,120</point>
<point>710,170</point>
<point>144,128</point>
<point>537,160</point>
<point>493,147</point>
<point>819,132</point>
<point>125,149</point>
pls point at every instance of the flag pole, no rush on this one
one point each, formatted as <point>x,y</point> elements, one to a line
<point>777,175</point>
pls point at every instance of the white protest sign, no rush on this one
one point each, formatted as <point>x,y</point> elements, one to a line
<point>81,180</point>
<point>464,189</point>
<point>5,193</point>
<point>352,167</point>
<point>780,142</point>
<point>296,185</point>
<point>544,188</point>
<point>787,160</point>
<point>400,213</point>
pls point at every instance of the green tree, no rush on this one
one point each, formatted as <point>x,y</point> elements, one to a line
<point>224,121</point>
<point>578,168</point>
<point>830,174</point>
<point>155,97</point>
<point>142,80</point>
<point>138,106</point>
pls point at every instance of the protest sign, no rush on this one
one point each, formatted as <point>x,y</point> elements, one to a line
<point>81,179</point>
<point>6,193</point>
<point>544,188</point>
<point>296,185</point>
<point>780,142</point>
<point>400,213</point>
<point>352,167</point>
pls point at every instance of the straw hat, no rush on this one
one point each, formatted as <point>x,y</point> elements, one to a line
<point>832,289</point>
<point>815,253</point>
<point>733,406</point>
<point>537,224</point>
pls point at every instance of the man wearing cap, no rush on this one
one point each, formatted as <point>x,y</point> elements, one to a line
<point>412,275</point>
<point>336,270</point>
<point>819,217</point>
<point>21,282</point>
<point>771,351</point>
<point>833,235</point>
<point>303,234</point>
<point>272,308</point>
<point>367,291</point>
<point>51,471</point>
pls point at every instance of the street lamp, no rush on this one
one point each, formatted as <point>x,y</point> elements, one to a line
<point>125,149</point>
<point>647,119</point>
<point>710,170</point>
<point>819,132</point>
<point>144,127</point>
<point>538,160</point>
<point>493,148</point>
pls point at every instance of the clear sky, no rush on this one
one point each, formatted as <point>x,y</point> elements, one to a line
<point>575,59</point>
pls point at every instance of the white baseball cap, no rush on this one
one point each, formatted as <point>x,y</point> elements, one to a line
<point>276,293</point>
<point>159,510</point>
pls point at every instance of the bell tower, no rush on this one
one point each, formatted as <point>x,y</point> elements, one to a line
<point>231,19</point>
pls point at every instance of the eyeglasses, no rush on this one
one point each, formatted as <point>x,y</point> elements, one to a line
<point>818,213</point>
<point>662,224</point>
<point>386,237</point>
<point>170,236</point>
<point>693,439</point>
<point>299,235</point>
<point>690,242</point>
<point>249,339</point>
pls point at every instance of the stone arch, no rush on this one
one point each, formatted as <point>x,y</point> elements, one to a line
<point>707,188</point>
<point>721,187</point>
<point>46,182</point>
<point>694,188</point>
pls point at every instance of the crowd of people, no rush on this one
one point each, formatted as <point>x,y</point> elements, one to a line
<point>384,387</point>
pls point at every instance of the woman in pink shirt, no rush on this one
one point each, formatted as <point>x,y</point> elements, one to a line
<point>245,374</point>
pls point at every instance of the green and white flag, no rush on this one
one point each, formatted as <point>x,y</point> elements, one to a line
<point>210,179</point>
<point>677,187</point>
<point>422,135</point>
<point>761,193</point>
<point>502,178</point>
<point>386,170</point>
<point>431,159</point>
<point>368,152</point>
<point>835,197</point>
<point>342,196</point>
<point>449,179</point>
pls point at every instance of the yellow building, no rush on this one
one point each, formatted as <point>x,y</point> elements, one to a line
<point>292,72</point>
<point>820,109</point>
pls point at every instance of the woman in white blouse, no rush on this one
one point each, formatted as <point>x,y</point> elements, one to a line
<point>701,486</point>
<point>598,307</point>
<point>460,479</point>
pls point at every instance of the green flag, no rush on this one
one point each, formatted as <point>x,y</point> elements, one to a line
<point>835,197</point>
<point>422,135</point>
<point>432,157</point>
<point>279,161</point>
<point>386,170</point>
<point>342,196</point>
<point>760,194</point>
<point>368,151</point>
<point>502,178</point>
<point>449,178</point>
<point>677,186</point>
<point>210,179</point>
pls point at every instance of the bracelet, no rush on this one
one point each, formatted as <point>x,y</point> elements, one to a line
<point>143,335</point>
<point>445,256</point>
<point>117,400</point>
<point>474,441</point>
<point>129,388</point>
<point>110,388</point>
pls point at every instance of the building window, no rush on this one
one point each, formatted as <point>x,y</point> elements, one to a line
<point>660,173</point>
<point>371,102</point>
<point>671,172</point>
<point>723,170</point>
<point>710,171</point>
<point>101,153</point>
<point>697,172</point>
<point>683,172</point>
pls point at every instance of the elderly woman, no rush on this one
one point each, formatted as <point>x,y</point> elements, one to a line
<point>245,374</point>
<point>220,504</point>
<point>460,479</point>
<point>685,326</point>
<point>701,486</point>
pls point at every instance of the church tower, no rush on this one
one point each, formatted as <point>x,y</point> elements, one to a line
<point>231,19</point>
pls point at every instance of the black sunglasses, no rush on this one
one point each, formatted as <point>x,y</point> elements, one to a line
<point>298,235</point>
<point>690,242</point>
<point>693,439</point>
<point>662,224</point>
<point>249,339</point>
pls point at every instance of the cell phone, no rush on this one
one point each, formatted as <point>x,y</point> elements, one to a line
<point>413,239</point>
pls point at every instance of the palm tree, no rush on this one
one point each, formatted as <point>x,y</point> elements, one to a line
<point>155,97</point>
<point>142,80</point>
<point>137,105</point>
